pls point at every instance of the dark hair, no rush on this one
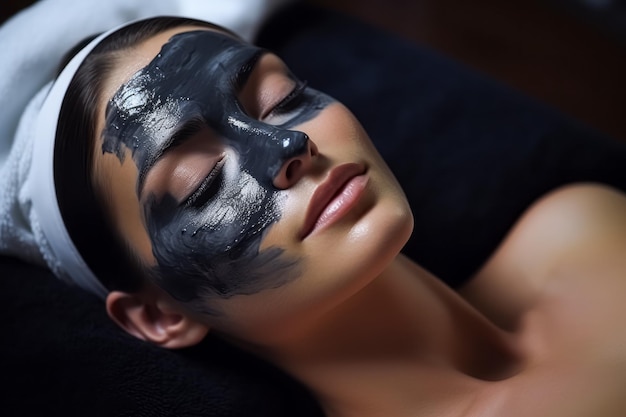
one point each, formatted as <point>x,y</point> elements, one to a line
<point>82,206</point>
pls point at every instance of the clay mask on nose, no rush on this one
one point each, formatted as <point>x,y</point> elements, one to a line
<point>210,246</point>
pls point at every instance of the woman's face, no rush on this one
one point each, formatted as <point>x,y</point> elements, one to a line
<point>223,169</point>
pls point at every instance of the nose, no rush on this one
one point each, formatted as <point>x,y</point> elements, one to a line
<point>295,167</point>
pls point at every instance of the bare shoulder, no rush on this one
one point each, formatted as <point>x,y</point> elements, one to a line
<point>592,204</point>
<point>577,224</point>
<point>573,218</point>
<point>558,282</point>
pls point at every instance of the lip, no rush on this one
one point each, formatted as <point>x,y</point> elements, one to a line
<point>335,196</point>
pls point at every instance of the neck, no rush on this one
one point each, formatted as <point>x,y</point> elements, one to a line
<point>405,342</point>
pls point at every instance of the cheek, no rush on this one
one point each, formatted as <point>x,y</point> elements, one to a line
<point>278,315</point>
<point>285,233</point>
<point>340,137</point>
<point>339,114</point>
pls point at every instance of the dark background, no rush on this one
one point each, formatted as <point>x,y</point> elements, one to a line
<point>567,53</point>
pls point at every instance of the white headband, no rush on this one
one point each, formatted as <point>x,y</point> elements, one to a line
<point>42,188</point>
<point>31,226</point>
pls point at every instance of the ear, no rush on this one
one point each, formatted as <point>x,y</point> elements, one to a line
<point>155,317</point>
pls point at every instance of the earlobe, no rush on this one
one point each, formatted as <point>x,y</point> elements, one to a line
<point>155,318</point>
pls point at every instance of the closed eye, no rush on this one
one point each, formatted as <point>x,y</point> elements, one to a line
<point>289,102</point>
<point>188,167</point>
<point>209,187</point>
<point>270,91</point>
<point>190,129</point>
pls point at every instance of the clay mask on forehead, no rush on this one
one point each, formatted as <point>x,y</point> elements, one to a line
<point>208,244</point>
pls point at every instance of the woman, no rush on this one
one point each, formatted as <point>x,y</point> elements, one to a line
<point>249,205</point>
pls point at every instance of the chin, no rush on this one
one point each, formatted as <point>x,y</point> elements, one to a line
<point>375,240</point>
<point>389,230</point>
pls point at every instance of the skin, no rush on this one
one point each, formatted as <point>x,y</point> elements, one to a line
<point>366,329</point>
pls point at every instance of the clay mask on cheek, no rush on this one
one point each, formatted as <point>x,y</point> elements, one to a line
<point>210,245</point>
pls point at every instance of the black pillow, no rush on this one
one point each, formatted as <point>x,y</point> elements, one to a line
<point>471,154</point>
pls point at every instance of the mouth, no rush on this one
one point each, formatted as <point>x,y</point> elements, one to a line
<point>334,197</point>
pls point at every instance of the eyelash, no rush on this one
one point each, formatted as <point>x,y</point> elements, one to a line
<point>210,184</point>
<point>208,188</point>
<point>290,101</point>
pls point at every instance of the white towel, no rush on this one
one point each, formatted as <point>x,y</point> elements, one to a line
<point>32,44</point>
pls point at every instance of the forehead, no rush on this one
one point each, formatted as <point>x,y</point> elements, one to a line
<point>129,62</point>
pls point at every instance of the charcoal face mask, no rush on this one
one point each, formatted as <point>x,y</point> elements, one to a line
<point>209,245</point>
